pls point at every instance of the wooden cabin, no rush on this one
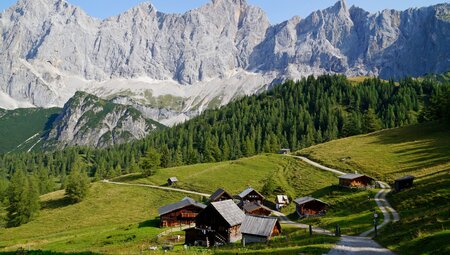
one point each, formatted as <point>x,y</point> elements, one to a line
<point>250,195</point>
<point>172,180</point>
<point>180,213</point>
<point>219,223</point>
<point>356,180</point>
<point>256,209</point>
<point>219,195</point>
<point>284,151</point>
<point>404,183</point>
<point>308,206</point>
<point>281,201</point>
<point>259,229</point>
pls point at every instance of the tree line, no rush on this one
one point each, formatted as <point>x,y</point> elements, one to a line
<point>291,115</point>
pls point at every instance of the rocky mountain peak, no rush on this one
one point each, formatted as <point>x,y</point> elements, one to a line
<point>208,56</point>
<point>144,8</point>
<point>230,2</point>
<point>87,120</point>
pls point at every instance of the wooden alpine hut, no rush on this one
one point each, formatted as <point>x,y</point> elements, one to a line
<point>259,229</point>
<point>180,213</point>
<point>308,206</point>
<point>219,223</point>
<point>250,195</point>
<point>219,195</point>
<point>355,180</point>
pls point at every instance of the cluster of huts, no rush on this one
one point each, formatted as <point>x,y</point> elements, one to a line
<point>227,219</point>
<point>223,219</point>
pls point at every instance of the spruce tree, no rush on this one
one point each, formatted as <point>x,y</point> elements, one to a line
<point>371,122</point>
<point>150,162</point>
<point>77,185</point>
<point>23,196</point>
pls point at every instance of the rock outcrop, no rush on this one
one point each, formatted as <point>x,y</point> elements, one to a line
<point>87,120</point>
<point>50,49</point>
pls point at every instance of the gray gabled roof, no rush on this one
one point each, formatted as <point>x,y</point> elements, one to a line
<point>187,201</point>
<point>229,211</point>
<point>258,225</point>
<point>217,194</point>
<point>353,176</point>
<point>304,200</point>
<point>248,191</point>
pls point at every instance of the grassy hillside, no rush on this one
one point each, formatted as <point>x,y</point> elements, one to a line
<point>17,126</point>
<point>112,219</point>
<point>421,150</point>
<point>121,219</point>
<point>272,175</point>
<point>425,217</point>
<point>386,155</point>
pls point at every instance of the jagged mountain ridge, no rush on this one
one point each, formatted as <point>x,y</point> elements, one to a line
<point>173,66</point>
<point>87,120</point>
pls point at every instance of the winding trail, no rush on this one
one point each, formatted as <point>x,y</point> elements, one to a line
<point>362,244</point>
<point>283,218</point>
<point>348,245</point>
<point>158,187</point>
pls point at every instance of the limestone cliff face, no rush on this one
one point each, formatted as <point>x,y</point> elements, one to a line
<point>87,120</point>
<point>208,56</point>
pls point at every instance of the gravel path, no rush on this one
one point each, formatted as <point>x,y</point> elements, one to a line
<point>362,245</point>
<point>158,187</point>
<point>357,245</point>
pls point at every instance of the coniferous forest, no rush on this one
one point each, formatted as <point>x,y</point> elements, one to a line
<point>291,115</point>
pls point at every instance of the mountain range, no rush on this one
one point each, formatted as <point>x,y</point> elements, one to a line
<point>172,67</point>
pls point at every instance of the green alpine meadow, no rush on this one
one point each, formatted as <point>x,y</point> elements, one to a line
<point>224,127</point>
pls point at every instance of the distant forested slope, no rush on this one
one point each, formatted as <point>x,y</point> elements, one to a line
<point>293,114</point>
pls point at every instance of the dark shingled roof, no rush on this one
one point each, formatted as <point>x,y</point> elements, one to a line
<point>304,200</point>
<point>229,211</point>
<point>404,178</point>
<point>217,194</point>
<point>187,201</point>
<point>258,225</point>
<point>248,191</point>
<point>353,176</point>
<point>250,207</point>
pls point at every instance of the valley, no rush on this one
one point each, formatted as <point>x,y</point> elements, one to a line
<point>214,131</point>
<point>118,218</point>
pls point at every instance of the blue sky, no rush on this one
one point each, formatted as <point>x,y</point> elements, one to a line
<point>278,10</point>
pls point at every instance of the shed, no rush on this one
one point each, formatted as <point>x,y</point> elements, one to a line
<point>259,229</point>
<point>172,180</point>
<point>284,151</point>
<point>281,201</point>
<point>219,195</point>
<point>219,223</point>
<point>250,195</point>
<point>355,180</point>
<point>404,182</point>
<point>180,213</point>
<point>256,209</point>
<point>307,206</point>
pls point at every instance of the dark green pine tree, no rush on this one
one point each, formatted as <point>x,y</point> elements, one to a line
<point>371,122</point>
<point>23,195</point>
<point>165,157</point>
<point>151,162</point>
<point>77,185</point>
